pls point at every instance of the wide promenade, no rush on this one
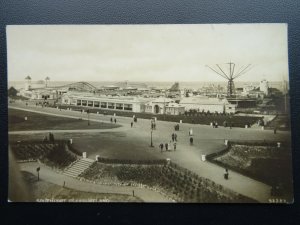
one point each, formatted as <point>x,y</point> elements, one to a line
<point>206,140</point>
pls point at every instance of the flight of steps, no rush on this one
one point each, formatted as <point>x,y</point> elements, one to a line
<point>78,167</point>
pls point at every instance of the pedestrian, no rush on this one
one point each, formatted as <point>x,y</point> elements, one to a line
<point>175,136</point>
<point>166,146</point>
<point>191,132</point>
<point>191,140</point>
<point>174,146</point>
<point>45,139</point>
<point>133,193</point>
<point>131,124</point>
<point>275,130</point>
<point>115,120</point>
<point>111,119</point>
<point>161,147</point>
<point>226,174</point>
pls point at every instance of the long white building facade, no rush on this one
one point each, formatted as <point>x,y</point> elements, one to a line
<point>131,104</point>
<point>148,105</point>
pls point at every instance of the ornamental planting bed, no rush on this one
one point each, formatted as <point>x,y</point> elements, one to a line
<point>54,154</point>
<point>173,181</point>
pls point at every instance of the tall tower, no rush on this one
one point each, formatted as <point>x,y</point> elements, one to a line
<point>230,75</point>
<point>47,79</point>
<point>27,83</point>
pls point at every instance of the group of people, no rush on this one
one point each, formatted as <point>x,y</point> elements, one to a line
<point>153,124</point>
<point>174,137</point>
<point>113,120</point>
<point>215,124</point>
<point>167,146</point>
<point>50,139</point>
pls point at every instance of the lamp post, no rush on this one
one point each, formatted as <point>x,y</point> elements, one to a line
<point>88,115</point>
<point>38,172</point>
<point>151,144</point>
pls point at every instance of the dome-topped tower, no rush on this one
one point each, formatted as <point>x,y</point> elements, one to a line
<point>27,83</point>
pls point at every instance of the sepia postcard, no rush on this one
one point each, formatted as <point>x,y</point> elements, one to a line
<point>149,113</point>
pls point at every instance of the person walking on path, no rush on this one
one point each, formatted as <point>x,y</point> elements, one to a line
<point>161,147</point>
<point>175,137</point>
<point>174,146</point>
<point>111,119</point>
<point>131,124</point>
<point>115,120</point>
<point>191,132</point>
<point>226,174</point>
<point>191,140</point>
<point>166,146</point>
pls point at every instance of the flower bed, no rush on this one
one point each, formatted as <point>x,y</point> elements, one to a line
<point>175,182</point>
<point>54,154</point>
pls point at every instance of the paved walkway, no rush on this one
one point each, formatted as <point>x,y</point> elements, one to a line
<point>51,176</point>
<point>206,140</point>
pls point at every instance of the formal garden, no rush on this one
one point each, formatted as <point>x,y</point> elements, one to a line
<point>54,154</point>
<point>170,179</point>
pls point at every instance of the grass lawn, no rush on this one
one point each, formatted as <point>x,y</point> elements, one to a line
<point>114,145</point>
<point>43,190</point>
<point>37,121</point>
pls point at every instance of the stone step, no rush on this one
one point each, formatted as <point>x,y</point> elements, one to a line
<point>78,167</point>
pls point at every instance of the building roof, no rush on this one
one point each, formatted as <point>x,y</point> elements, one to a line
<point>93,97</point>
<point>162,100</point>
<point>174,105</point>
<point>203,101</point>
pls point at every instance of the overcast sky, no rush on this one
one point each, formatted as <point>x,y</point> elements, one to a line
<point>145,52</point>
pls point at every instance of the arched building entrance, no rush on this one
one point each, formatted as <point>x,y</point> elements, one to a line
<point>156,109</point>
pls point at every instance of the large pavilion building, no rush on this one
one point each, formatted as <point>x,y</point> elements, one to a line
<point>205,104</point>
<point>122,103</point>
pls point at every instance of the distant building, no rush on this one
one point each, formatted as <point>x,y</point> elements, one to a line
<point>205,104</point>
<point>164,106</point>
<point>132,104</point>
<point>174,109</point>
<point>264,87</point>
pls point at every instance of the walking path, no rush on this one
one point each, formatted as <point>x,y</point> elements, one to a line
<point>51,176</point>
<point>205,137</point>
